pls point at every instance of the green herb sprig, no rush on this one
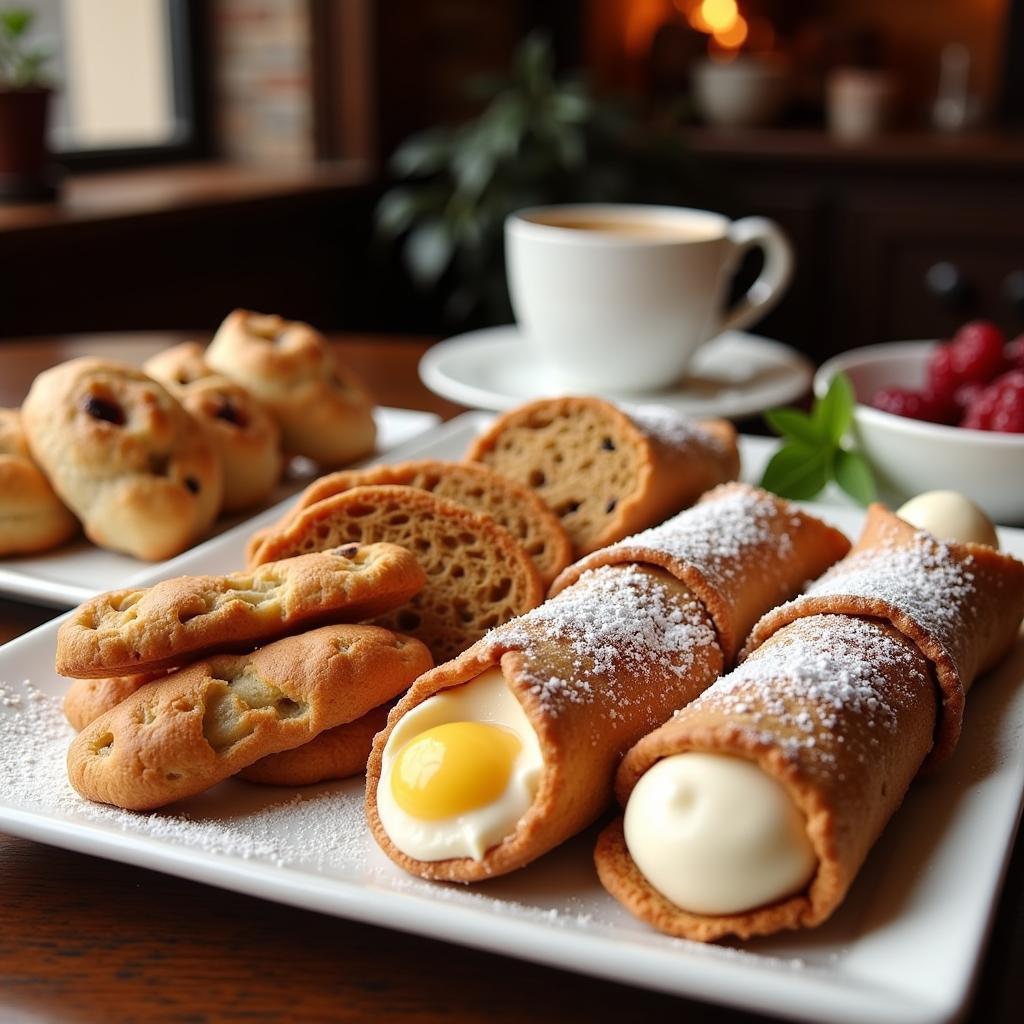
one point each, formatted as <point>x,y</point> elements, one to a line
<point>816,448</point>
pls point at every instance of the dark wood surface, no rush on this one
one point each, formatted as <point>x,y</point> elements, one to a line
<point>85,939</point>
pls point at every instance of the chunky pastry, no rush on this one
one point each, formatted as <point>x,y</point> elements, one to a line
<point>32,517</point>
<point>87,699</point>
<point>322,408</point>
<point>181,619</point>
<point>523,732</point>
<point>515,507</point>
<point>478,574</point>
<point>180,735</point>
<point>335,754</point>
<point>179,365</point>
<point>798,758</point>
<point>124,456</point>
<point>246,437</point>
<point>607,471</point>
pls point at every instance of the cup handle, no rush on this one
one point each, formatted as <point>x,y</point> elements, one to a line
<point>774,277</point>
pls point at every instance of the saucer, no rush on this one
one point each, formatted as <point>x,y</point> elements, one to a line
<point>734,375</point>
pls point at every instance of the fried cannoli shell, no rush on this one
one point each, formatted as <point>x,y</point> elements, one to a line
<point>846,774</point>
<point>335,754</point>
<point>586,706</point>
<point>740,550</point>
<point>960,603</point>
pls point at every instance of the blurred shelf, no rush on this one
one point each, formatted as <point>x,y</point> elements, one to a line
<point>90,198</point>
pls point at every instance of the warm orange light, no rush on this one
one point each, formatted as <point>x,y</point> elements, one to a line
<point>734,36</point>
<point>644,18</point>
<point>719,15</point>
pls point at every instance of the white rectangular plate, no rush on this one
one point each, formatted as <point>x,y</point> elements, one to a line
<point>74,572</point>
<point>902,949</point>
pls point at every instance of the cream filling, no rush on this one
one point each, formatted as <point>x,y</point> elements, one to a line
<point>948,515</point>
<point>487,698</point>
<point>717,835</point>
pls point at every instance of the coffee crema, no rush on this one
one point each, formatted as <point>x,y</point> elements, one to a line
<point>638,229</point>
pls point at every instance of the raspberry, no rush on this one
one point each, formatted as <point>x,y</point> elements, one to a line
<point>942,379</point>
<point>1014,353</point>
<point>914,405</point>
<point>1000,406</point>
<point>966,395</point>
<point>978,351</point>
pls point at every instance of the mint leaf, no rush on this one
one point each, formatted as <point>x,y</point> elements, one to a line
<point>794,425</point>
<point>853,474</point>
<point>833,413</point>
<point>797,470</point>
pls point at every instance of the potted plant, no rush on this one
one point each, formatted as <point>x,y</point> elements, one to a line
<point>25,169</point>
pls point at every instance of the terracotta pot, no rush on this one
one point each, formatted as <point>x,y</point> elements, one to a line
<point>26,169</point>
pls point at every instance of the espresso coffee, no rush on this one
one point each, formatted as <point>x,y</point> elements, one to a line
<point>640,229</point>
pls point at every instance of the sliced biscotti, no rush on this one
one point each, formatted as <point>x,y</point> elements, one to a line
<point>605,471</point>
<point>177,736</point>
<point>478,574</point>
<point>474,485</point>
<point>130,631</point>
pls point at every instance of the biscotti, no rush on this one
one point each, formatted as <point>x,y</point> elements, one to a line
<point>32,517</point>
<point>481,489</point>
<point>478,574</point>
<point>605,471</point>
<point>323,410</point>
<point>180,735</point>
<point>176,621</point>
<point>120,451</point>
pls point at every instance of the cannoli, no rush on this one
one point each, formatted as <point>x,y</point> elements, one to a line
<point>179,620</point>
<point>483,490</point>
<point>478,574</point>
<point>605,471</point>
<point>497,757</point>
<point>177,736</point>
<point>752,809</point>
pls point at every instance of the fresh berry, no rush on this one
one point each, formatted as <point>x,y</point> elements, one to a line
<point>942,379</point>
<point>1014,353</point>
<point>1000,406</point>
<point>966,395</point>
<point>978,351</point>
<point>914,405</point>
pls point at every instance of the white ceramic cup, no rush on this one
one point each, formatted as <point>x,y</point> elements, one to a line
<point>619,297</point>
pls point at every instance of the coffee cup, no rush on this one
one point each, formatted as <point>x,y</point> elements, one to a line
<point>617,298</point>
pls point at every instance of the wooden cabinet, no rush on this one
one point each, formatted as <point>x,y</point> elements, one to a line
<point>904,238</point>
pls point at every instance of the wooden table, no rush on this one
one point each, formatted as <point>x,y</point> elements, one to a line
<point>85,939</point>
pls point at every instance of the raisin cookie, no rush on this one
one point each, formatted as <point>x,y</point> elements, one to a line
<point>323,410</point>
<point>32,517</point>
<point>124,456</point>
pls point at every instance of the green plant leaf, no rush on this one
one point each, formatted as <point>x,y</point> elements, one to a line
<point>396,211</point>
<point>426,153</point>
<point>833,412</point>
<point>797,471</point>
<point>794,424</point>
<point>853,474</point>
<point>16,22</point>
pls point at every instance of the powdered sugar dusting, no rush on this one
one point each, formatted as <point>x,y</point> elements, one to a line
<point>616,623</point>
<point>671,428</point>
<point>802,692</point>
<point>727,537</point>
<point>923,579</point>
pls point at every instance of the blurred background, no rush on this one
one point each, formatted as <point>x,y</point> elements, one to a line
<point>349,162</point>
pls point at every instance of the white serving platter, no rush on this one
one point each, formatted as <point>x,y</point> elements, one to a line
<point>73,572</point>
<point>903,949</point>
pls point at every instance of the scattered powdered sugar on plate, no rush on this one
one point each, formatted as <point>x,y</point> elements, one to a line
<point>615,624</point>
<point>322,827</point>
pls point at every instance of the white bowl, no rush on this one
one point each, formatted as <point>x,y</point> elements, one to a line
<point>909,456</point>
